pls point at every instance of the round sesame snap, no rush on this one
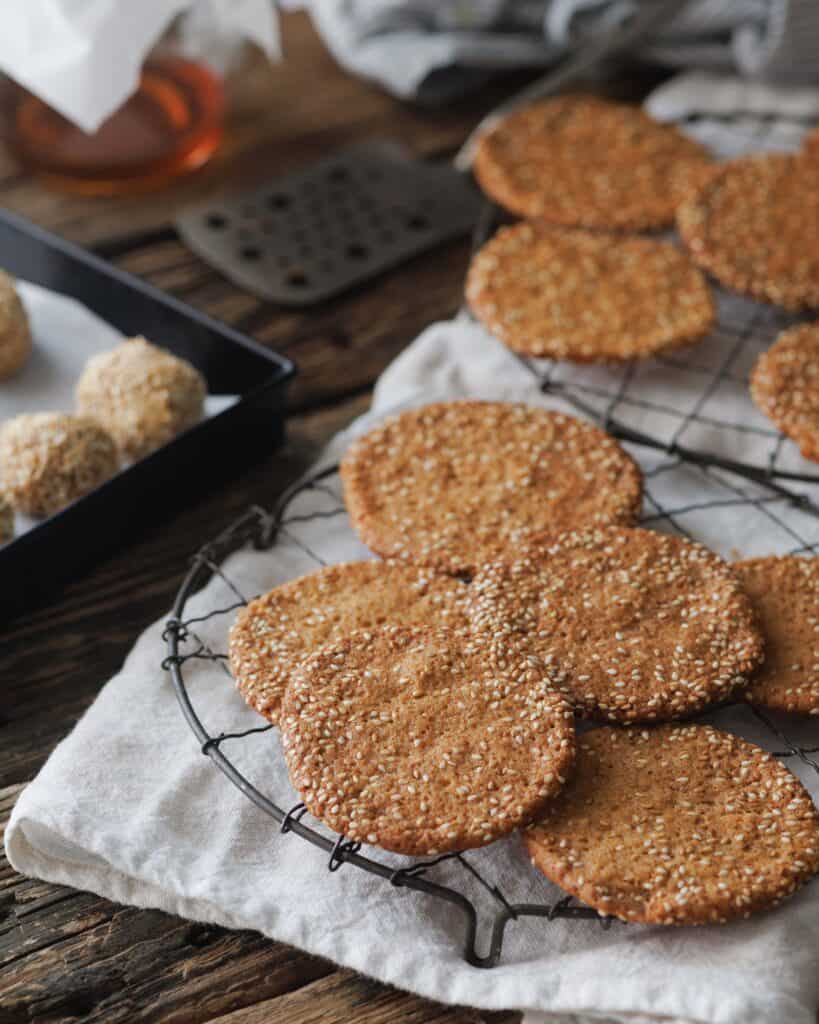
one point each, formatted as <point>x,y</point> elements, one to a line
<point>453,484</point>
<point>785,386</point>
<point>49,459</point>
<point>581,161</point>
<point>587,297</point>
<point>632,625</point>
<point>274,633</point>
<point>784,591</point>
<point>755,227</point>
<point>424,741</point>
<point>143,395</point>
<point>15,335</point>
<point>677,825</point>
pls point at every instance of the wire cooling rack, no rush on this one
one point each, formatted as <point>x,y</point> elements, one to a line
<point>691,450</point>
<point>697,398</point>
<point>292,524</point>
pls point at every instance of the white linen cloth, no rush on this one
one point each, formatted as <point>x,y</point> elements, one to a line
<point>434,49</point>
<point>128,807</point>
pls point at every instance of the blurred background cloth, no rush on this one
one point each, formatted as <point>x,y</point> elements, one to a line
<point>434,50</point>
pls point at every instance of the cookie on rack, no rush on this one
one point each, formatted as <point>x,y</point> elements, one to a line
<point>423,741</point>
<point>274,633</point>
<point>633,625</point>
<point>454,484</point>
<point>677,825</point>
<point>755,227</point>
<point>49,459</point>
<point>141,394</point>
<point>582,161</point>
<point>785,386</point>
<point>587,297</point>
<point>15,335</point>
<point>784,591</point>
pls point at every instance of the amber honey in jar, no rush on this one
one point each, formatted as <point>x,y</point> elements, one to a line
<point>172,124</point>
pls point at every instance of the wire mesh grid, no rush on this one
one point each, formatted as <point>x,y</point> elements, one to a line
<point>292,524</point>
<point>695,400</point>
<point>727,501</point>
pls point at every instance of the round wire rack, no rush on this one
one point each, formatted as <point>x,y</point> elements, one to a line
<point>265,529</point>
<point>699,440</point>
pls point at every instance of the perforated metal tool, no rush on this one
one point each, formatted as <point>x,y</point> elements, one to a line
<point>315,233</point>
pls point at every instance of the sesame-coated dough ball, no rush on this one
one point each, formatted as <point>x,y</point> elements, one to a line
<point>49,459</point>
<point>142,395</point>
<point>15,337</point>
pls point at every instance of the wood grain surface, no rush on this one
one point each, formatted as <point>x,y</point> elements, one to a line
<point>68,956</point>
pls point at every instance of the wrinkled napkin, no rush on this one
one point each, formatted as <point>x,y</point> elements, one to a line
<point>433,50</point>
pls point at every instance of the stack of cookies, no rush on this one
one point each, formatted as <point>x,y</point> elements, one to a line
<point>573,280</point>
<point>427,699</point>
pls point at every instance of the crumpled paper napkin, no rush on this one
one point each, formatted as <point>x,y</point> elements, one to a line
<point>83,57</point>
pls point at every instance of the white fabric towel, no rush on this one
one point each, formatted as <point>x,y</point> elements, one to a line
<point>128,807</point>
<point>435,49</point>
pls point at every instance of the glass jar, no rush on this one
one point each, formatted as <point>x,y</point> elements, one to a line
<point>172,124</point>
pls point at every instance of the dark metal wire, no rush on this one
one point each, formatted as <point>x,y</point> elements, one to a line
<point>262,529</point>
<point>584,396</point>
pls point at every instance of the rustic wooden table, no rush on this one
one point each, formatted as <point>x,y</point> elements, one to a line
<point>72,956</point>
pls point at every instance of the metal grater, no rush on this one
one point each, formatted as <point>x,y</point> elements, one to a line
<point>339,222</point>
<point>324,229</point>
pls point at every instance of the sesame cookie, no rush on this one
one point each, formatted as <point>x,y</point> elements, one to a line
<point>785,594</point>
<point>49,459</point>
<point>452,485</point>
<point>632,625</point>
<point>274,633</point>
<point>422,741</point>
<point>785,386</point>
<point>677,825</point>
<point>587,297</point>
<point>581,161</point>
<point>6,521</point>
<point>142,395</point>
<point>755,227</point>
<point>15,336</point>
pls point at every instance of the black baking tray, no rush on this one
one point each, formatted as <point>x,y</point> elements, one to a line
<point>58,548</point>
